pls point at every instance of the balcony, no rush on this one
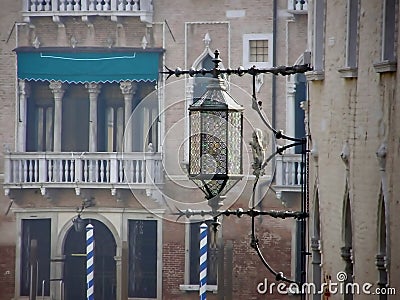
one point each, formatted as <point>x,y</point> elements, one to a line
<point>298,6</point>
<point>114,171</point>
<point>288,174</point>
<point>58,9</point>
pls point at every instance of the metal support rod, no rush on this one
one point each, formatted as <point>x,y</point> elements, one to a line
<point>43,283</point>
<point>124,271</point>
<point>34,270</point>
<point>62,290</point>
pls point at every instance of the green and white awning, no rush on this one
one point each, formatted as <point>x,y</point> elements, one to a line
<point>88,66</point>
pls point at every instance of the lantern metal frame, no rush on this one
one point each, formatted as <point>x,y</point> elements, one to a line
<point>215,119</point>
<point>259,165</point>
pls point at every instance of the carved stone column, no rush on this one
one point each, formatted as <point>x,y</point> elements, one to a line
<point>382,258</point>
<point>128,89</point>
<point>58,90</point>
<point>316,264</point>
<point>290,109</point>
<point>94,91</point>
<point>347,256</point>
<point>23,94</point>
<point>380,263</point>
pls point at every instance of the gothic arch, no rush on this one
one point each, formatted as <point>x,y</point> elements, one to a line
<point>74,267</point>
<point>190,86</point>
<point>347,236</point>
<point>382,251</point>
<point>316,243</point>
<point>87,215</point>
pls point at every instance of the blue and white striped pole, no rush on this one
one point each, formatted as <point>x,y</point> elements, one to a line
<point>203,261</point>
<point>89,262</point>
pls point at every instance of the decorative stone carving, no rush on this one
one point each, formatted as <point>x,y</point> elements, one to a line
<point>144,42</point>
<point>314,152</point>
<point>57,89</point>
<point>93,88</point>
<point>258,148</point>
<point>36,42</point>
<point>381,156</point>
<point>127,87</point>
<point>207,40</point>
<point>259,82</point>
<point>110,42</point>
<point>73,42</point>
<point>345,154</point>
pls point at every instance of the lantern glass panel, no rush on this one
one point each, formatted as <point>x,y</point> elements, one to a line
<point>194,141</point>
<point>213,142</point>
<point>235,143</point>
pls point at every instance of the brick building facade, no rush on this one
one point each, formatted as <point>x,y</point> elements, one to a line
<point>88,120</point>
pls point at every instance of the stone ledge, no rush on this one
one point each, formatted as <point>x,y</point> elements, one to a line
<point>385,66</point>
<point>315,75</point>
<point>348,72</point>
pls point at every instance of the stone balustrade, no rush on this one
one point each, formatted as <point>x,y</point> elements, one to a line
<point>288,173</point>
<point>86,170</point>
<point>298,6</point>
<point>85,8</point>
<point>86,5</point>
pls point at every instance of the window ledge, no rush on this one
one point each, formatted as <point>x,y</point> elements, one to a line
<point>315,75</point>
<point>348,72</point>
<point>385,66</point>
<point>195,287</point>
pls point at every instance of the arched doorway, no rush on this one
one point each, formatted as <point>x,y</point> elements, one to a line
<point>104,263</point>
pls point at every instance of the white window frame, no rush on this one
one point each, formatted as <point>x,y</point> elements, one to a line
<point>350,69</point>
<point>352,33</point>
<point>319,35</point>
<point>22,214</point>
<point>389,31</point>
<point>144,216</point>
<point>246,49</point>
<point>388,59</point>
<point>194,287</point>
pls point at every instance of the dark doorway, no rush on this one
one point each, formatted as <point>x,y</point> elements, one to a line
<point>104,263</point>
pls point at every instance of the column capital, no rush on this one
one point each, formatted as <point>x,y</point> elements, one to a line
<point>127,88</point>
<point>24,88</point>
<point>93,88</point>
<point>58,89</point>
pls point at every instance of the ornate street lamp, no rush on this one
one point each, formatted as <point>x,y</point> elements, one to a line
<point>215,143</point>
<point>215,154</point>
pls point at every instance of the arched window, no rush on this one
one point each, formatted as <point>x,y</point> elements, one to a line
<point>347,249</point>
<point>381,256</point>
<point>316,246</point>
